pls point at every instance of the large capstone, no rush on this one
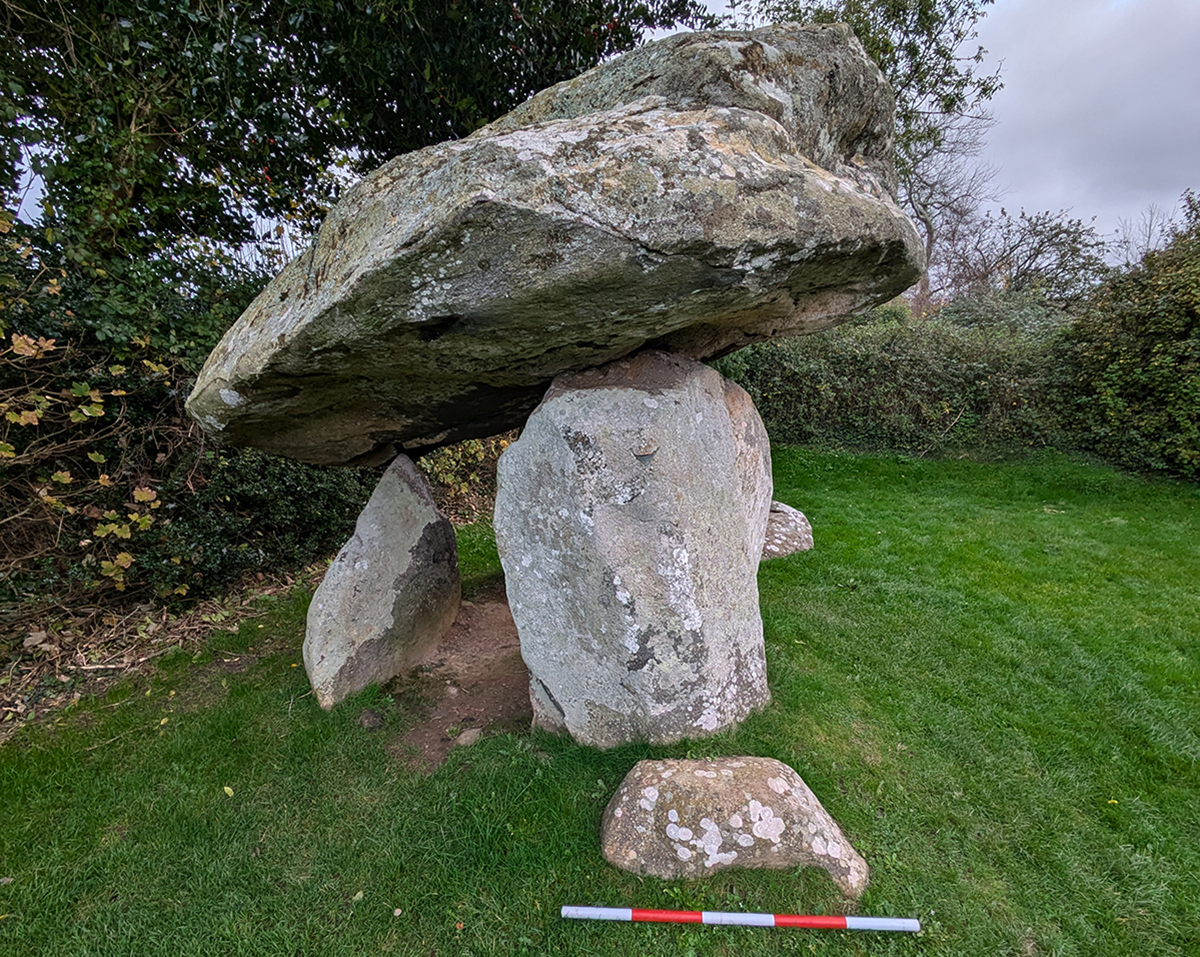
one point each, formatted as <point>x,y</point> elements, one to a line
<point>699,194</point>
<point>630,519</point>
<point>391,593</point>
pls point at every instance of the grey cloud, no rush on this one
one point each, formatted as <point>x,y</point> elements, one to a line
<point>1101,106</point>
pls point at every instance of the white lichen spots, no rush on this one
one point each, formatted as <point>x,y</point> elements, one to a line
<point>678,576</point>
<point>673,816</point>
<point>726,773</point>
<point>699,417</point>
<point>701,773</point>
<point>834,850</point>
<point>779,94</point>
<point>213,423</point>
<point>650,403</point>
<point>709,720</point>
<point>778,785</point>
<point>819,847</point>
<point>683,852</point>
<point>619,812</point>
<point>232,398</point>
<point>710,842</point>
<point>766,824</point>
<point>648,799</point>
<point>677,833</point>
<point>735,821</point>
<point>631,855</point>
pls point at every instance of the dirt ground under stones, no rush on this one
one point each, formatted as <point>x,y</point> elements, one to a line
<point>472,683</point>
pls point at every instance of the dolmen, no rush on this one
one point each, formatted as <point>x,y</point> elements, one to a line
<point>567,270</point>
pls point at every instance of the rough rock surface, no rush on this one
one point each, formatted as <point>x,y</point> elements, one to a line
<point>391,593</point>
<point>630,518</point>
<point>692,818</point>
<point>699,194</point>
<point>815,81</point>
<point>788,532</point>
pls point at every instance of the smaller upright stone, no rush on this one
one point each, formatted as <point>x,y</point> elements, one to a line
<point>391,594</point>
<point>692,818</point>
<point>788,532</point>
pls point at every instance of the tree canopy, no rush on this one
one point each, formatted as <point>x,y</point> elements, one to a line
<point>154,123</point>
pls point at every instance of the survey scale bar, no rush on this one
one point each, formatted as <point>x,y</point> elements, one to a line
<point>812,921</point>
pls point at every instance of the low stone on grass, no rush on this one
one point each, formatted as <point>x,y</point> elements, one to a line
<point>788,532</point>
<point>684,818</point>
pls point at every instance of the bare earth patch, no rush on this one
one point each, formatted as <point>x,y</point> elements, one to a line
<point>473,682</point>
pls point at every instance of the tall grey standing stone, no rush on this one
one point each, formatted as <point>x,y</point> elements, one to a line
<point>391,593</point>
<point>630,518</point>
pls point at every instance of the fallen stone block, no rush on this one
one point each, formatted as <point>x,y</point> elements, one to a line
<point>682,818</point>
<point>788,532</point>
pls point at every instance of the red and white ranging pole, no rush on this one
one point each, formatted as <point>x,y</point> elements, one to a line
<point>814,921</point>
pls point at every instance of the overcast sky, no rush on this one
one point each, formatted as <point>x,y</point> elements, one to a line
<point>1100,111</point>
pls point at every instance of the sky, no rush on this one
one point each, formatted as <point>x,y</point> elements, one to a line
<point>1100,111</point>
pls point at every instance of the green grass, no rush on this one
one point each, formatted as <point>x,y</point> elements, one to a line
<point>988,674</point>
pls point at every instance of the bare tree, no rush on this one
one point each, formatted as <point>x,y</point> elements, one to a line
<point>944,188</point>
<point>1051,254</point>
<point>1152,230</point>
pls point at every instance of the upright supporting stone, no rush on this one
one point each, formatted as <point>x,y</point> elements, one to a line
<point>630,519</point>
<point>391,593</point>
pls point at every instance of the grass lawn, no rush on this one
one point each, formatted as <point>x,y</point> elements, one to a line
<point>987,673</point>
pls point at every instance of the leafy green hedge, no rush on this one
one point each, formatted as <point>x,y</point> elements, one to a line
<point>916,387</point>
<point>254,512</point>
<point>106,485</point>
<point>1131,362</point>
